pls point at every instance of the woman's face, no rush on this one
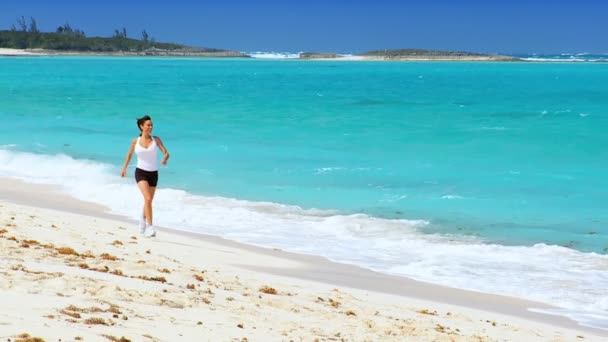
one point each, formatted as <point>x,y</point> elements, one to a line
<point>146,127</point>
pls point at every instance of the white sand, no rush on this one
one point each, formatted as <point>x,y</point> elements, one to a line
<point>16,52</point>
<point>211,288</point>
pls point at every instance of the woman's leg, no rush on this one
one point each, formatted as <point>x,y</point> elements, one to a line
<point>148,192</point>
<point>152,192</point>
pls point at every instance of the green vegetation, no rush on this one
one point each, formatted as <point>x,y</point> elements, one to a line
<point>418,52</point>
<point>65,42</point>
<point>66,39</point>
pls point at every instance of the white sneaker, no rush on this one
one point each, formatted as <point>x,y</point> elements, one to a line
<point>142,226</point>
<point>150,231</point>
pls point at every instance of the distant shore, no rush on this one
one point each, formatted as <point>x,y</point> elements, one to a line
<point>15,52</point>
<point>434,56</point>
<point>157,52</point>
<point>416,58</point>
<point>234,54</point>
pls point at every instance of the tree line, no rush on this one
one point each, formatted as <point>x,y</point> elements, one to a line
<point>24,35</point>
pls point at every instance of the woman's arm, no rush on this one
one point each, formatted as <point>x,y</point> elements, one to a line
<point>163,150</point>
<point>128,158</point>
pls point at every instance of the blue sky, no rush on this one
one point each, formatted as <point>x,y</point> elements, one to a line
<point>492,26</point>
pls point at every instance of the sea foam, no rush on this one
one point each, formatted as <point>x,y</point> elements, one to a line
<point>273,55</point>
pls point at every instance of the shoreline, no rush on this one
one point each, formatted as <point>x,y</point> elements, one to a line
<point>8,52</point>
<point>293,268</point>
<point>5,52</point>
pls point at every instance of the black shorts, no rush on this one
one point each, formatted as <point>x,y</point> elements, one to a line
<point>149,176</point>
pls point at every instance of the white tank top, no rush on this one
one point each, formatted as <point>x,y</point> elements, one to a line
<point>147,157</point>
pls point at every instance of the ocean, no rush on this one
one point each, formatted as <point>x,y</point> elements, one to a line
<point>484,176</point>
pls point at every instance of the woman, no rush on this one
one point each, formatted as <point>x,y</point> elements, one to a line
<point>146,147</point>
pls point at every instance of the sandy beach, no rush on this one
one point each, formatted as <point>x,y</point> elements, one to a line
<point>71,272</point>
<point>17,52</point>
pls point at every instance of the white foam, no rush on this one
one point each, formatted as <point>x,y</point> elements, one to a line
<point>452,197</point>
<point>330,169</point>
<point>322,170</point>
<point>569,279</point>
<point>573,281</point>
<point>273,55</point>
<point>537,59</point>
<point>294,55</point>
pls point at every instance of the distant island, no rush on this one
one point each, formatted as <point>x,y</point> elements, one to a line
<point>61,44</point>
<point>412,55</point>
<point>66,40</point>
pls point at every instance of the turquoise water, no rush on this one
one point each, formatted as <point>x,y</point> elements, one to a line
<point>514,153</point>
<point>482,176</point>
